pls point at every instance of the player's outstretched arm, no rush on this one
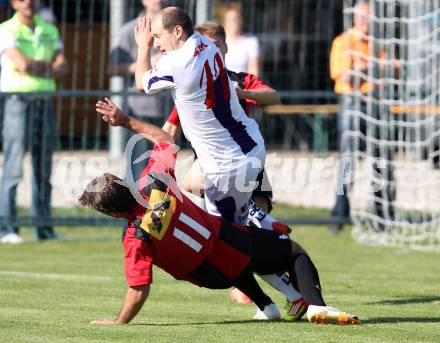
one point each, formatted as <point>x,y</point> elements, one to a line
<point>144,40</point>
<point>114,116</point>
<point>262,96</point>
<point>134,300</point>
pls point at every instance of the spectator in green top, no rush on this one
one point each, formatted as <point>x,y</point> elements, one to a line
<point>32,57</point>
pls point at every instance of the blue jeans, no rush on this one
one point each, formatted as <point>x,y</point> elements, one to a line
<point>383,198</point>
<point>27,122</point>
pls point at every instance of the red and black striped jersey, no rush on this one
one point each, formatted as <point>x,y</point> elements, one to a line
<point>173,233</point>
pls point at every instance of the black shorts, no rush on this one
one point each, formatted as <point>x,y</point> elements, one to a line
<point>236,245</point>
<point>264,189</point>
<point>271,251</point>
<point>265,251</point>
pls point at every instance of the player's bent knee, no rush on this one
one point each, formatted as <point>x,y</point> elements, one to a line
<point>297,249</point>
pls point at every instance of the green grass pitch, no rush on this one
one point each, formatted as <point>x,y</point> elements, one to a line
<point>49,292</point>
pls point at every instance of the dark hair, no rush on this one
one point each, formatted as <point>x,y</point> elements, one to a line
<point>211,28</point>
<point>108,194</point>
<point>173,16</point>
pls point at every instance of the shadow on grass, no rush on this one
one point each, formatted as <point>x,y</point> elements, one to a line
<point>415,300</point>
<point>378,320</point>
<point>222,322</point>
<point>391,320</point>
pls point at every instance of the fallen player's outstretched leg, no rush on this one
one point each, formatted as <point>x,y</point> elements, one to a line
<point>296,306</point>
<point>305,278</point>
<point>302,273</point>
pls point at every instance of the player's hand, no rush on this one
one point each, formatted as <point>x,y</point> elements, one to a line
<point>110,112</point>
<point>104,322</point>
<point>241,93</point>
<point>142,33</point>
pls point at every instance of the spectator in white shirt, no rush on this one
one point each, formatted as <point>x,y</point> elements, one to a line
<point>243,49</point>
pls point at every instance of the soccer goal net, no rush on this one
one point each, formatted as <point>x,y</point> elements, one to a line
<point>392,122</point>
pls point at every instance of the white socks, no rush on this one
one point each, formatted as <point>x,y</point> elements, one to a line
<point>258,217</point>
<point>283,284</point>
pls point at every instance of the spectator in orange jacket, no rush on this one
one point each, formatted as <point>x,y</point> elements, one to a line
<point>350,61</point>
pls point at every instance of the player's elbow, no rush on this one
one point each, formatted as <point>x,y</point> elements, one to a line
<point>139,83</point>
<point>140,293</point>
<point>140,87</point>
<point>136,296</point>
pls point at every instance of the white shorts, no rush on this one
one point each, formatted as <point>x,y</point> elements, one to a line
<point>227,194</point>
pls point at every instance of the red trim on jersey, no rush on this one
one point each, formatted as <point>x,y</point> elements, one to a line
<point>210,91</point>
<point>173,118</point>
<point>223,77</point>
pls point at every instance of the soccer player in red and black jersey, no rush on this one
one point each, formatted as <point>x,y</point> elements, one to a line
<point>166,229</point>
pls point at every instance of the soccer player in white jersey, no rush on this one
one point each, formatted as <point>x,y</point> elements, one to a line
<point>228,144</point>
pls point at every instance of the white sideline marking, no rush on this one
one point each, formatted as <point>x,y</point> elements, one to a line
<point>52,276</point>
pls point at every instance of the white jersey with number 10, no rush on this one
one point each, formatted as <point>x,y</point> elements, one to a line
<point>209,110</point>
